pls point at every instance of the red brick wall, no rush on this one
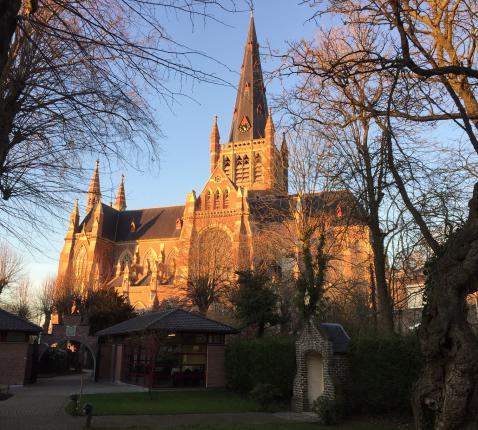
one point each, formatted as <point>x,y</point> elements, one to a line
<point>13,362</point>
<point>106,364</point>
<point>216,374</point>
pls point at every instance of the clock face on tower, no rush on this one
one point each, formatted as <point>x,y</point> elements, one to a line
<point>245,125</point>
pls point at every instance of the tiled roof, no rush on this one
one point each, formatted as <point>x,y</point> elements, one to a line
<point>153,223</point>
<point>175,320</point>
<point>10,322</point>
<point>337,335</point>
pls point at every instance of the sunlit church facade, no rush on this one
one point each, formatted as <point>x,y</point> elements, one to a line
<point>146,253</point>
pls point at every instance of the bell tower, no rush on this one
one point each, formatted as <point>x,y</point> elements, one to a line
<point>251,158</point>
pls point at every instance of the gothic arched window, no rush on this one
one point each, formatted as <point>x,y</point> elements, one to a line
<point>217,199</point>
<point>257,167</point>
<point>226,199</point>
<point>148,261</point>
<point>208,201</point>
<point>80,263</point>
<point>226,166</point>
<point>245,165</point>
<point>239,168</point>
<point>125,260</point>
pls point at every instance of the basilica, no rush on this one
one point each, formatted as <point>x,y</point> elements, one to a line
<point>147,254</point>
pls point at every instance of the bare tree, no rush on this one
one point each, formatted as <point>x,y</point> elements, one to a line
<point>428,51</point>
<point>46,300</point>
<point>11,267</point>
<point>75,78</point>
<point>210,269</point>
<point>21,302</point>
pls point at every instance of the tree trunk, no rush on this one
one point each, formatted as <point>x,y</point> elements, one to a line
<point>46,324</point>
<point>446,396</point>
<point>9,10</point>
<point>384,301</point>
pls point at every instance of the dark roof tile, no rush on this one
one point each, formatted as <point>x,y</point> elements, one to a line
<point>11,322</point>
<point>177,320</point>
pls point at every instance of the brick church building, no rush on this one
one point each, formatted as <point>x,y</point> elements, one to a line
<point>147,254</point>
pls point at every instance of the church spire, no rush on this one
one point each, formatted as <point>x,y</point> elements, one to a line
<point>120,204</point>
<point>94,192</point>
<point>250,111</point>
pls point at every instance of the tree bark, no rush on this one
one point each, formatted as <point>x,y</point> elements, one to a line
<point>384,301</point>
<point>9,10</point>
<point>446,396</point>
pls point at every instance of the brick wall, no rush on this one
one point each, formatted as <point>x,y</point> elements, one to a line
<point>105,367</point>
<point>13,362</point>
<point>216,375</point>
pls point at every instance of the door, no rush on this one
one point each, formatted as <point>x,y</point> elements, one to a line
<point>315,377</point>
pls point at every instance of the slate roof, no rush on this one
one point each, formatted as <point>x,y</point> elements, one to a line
<point>152,223</point>
<point>174,320</point>
<point>277,208</point>
<point>10,322</point>
<point>251,101</point>
<point>337,335</point>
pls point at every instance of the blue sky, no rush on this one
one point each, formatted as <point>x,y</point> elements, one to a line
<point>184,149</point>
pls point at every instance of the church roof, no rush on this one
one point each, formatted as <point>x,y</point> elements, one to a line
<point>130,225</point>
<point>250,112</point>
<point>171,320</point>
<point>341,204</point>
<point>11,322</point>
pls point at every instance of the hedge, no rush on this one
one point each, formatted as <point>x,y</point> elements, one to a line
<point>382,374</point>
<point>269,360</point>
<point>382,370</point>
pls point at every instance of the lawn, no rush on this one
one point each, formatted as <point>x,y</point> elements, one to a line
<point>169,402</point>
<point>351,425</point>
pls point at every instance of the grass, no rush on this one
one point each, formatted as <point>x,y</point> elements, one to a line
<point>168,402</point>
<point>351,425</point>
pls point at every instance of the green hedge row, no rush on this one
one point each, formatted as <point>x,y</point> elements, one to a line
<point>269,360</point>
<point>382,370</point>
<point>382,374</point>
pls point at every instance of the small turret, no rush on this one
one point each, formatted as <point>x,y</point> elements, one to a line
<point>94,192</point>
<point>120,204</point>
<point>284,150</point>
<point>270,130</point>
<point>74,218</point>
<point>215,148</point>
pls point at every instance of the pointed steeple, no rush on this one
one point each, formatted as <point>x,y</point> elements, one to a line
<point>120,204</point>
<point>250,111</point>
<point>94,192</point>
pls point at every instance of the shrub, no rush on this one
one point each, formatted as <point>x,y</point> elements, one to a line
<point>330,412</point>
<point>269,360</point>
<point>382,373</point>
<point>268,396</point>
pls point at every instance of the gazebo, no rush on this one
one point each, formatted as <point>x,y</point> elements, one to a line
<point>164,349</point>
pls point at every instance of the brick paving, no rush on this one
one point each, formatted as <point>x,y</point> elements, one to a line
<point>41,406</point>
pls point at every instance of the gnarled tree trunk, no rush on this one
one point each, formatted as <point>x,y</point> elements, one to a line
<point>446,396</point>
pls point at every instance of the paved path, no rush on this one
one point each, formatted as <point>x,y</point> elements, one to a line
<point>41,406</point>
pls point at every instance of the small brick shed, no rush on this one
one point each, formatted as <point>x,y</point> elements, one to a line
<point>164,349</point>
<point>321,357</point>
<point>17,343</point>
